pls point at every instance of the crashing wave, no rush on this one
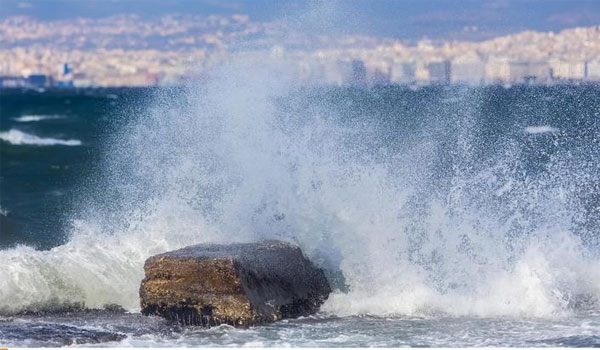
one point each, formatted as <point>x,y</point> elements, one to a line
<point>411,235</point>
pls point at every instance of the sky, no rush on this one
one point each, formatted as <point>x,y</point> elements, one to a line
<point>403,19</point>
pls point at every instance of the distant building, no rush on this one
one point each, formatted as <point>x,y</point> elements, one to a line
<point>332,75</point>
<point>64,83</point>
<point>592,70</point>
<point>66,79</point>
<point>304,70</point>
<point>379,78</point>
<point>569,70</point>
<point>39,80</point>
<point>137,79</point>
<point>316,72</point>
<point>519,71</point>
<point>497,69</point>
<point>439,72</point>
<point>421,72</point>
<point>515,71</point>
<point>403,72</point>
<point>81,80</point>
<point>468,69</point>
<point>378,72</point>
<point>526,71</point>
<point>359,74</point>
<point>12,82</point>
<point>538,72</point>
<point>353,73</point>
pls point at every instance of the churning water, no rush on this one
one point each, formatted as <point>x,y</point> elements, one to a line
<point>444,215</point>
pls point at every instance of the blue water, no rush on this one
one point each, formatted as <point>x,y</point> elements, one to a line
<point>452,216</point>
<point>42,177</point>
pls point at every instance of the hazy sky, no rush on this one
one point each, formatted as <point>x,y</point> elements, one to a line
<point>406,19</point>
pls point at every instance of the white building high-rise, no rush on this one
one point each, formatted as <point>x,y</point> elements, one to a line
<point>592,69</point>
<point>468,68</point>
<point>403,72</point>
<point>439,72</point>
<point>568,69</point>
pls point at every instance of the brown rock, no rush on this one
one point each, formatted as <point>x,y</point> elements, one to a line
<point>240,284</point>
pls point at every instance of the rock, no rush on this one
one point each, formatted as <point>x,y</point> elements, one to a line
<point>53,334</point>
<point>240,284</point>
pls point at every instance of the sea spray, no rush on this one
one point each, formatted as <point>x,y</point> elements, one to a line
<point>421,216</point>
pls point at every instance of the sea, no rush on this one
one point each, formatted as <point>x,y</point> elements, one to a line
<point>445,216</point>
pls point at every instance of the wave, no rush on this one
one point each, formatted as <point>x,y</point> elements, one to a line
<point>36,118</point>
<point>542,129</point>
<point>17,137</point>
<point>418,224</point>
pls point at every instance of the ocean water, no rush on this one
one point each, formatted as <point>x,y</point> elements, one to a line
<point>445,215</point>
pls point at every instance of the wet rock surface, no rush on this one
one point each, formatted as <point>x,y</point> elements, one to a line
<point>241,284</point>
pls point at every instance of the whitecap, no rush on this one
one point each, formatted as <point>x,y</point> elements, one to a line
<point>36,118</point>
<point>17,137</point>
<point>540,129</point>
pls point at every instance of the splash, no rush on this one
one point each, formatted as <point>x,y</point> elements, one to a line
<point>414,216</point>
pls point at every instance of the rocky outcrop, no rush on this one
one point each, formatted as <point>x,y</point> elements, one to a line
<point>239,284</point>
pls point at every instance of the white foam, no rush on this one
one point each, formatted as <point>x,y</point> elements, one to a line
<point>224,166</point>
<point>91,268</point>
<point>540,284</point>
<point>17,137</point>
<point>540,129</point>
<point>36,118</point>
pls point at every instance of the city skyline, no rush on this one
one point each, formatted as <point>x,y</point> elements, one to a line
<point>308,44</point>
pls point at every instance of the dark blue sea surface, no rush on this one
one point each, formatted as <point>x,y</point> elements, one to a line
<point>446,215</point>
<point>40,176</point>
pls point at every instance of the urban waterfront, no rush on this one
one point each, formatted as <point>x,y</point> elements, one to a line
<point>128,51</point>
